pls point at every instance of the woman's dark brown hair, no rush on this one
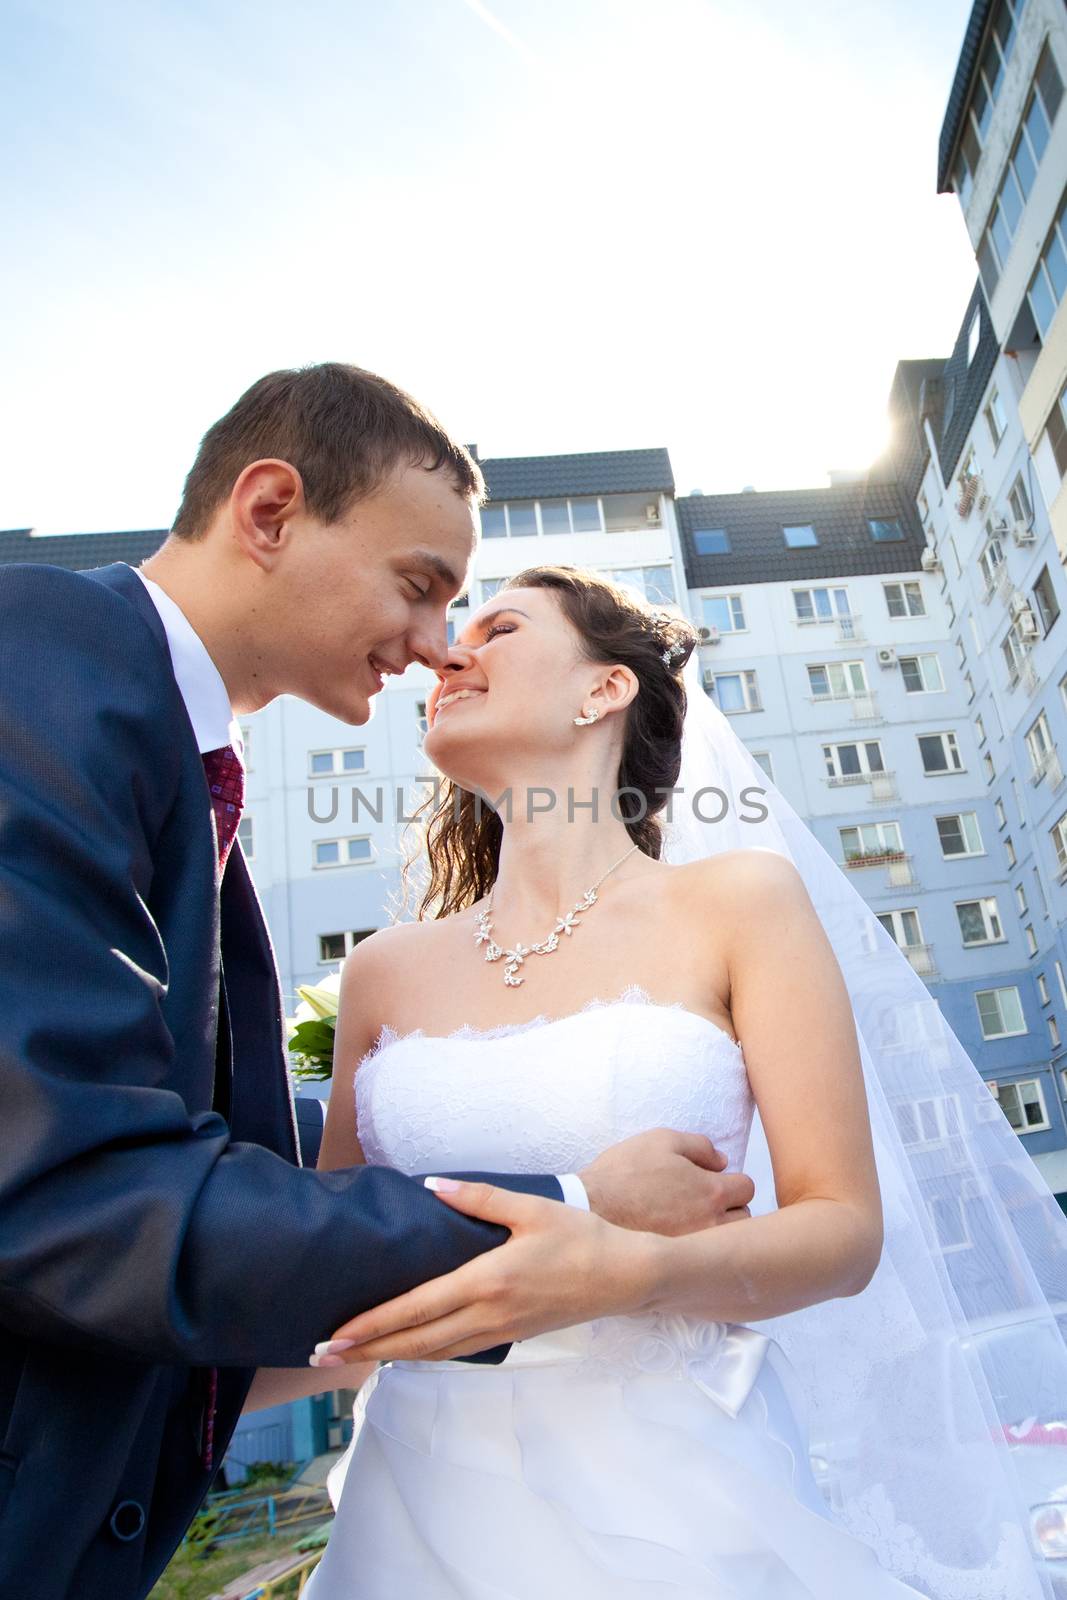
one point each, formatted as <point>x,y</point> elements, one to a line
<point>462,833</point>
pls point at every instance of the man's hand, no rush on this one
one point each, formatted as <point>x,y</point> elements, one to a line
<point>561,1266</point>
<point>666,1182</point>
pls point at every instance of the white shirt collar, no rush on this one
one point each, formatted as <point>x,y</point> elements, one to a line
<point>198,678</point>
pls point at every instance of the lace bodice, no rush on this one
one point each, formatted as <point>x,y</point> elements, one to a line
<point>547,1096</point>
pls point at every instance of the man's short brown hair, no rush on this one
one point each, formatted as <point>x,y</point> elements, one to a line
<point>343,429</point>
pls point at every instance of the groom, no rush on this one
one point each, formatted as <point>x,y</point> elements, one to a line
<point>159,1238</point>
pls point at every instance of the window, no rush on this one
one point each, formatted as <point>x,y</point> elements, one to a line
<point>1031,941</point>
<point>837,680</point>
<point>921,674</point>
<point>820,605</point>
<point>1039,746</point>
<point>1048,607</point>
<point>902,927</point>
<point>883,531</point>
<point>734,691</point>
<point>990,562</point>
<point>904,600</point>
<point>246,834</point>
<point>420,718</point>
<point>939,752</point>
<point>523,519</point>
<point>853,763</point>
<point>763,759</point>
<point>246,748</point>
<point>1030,144</point>
<point>979,728</point>
<point>1019,500</point>
<point>1009,850</point>
<point>1000,1012</point>
<point>1056,430</point>
<point>870,839</point>
<point>973,333</point>
<point>799,535</point>
<point>1053,1032</point>
<point>724,612</point>
<point>923,1121</point>
<point>491,587</point>
<point>979,921</point>
<point>1058,835</point>
<point>995,419</point>
<point>1061,980</point>
<point>1020,899</point>
<point>711,542</point>
<point>655,583</point>
<point>1023,1104</point>
<point>335,946</point>
<point>960,835</point>
<point>1002,816</point>
<point>1046,287</point>
<point>1042,989</point>
<point>979,110</point>
<point>342,852</point>
<point>990,770</point>
<point>328,763</point>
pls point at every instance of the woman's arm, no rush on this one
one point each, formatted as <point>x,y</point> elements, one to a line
<point>358,1026</point>
<point>357,1029</point>
<point>791,1011</point>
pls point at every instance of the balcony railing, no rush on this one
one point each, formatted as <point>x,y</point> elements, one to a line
<point>883,787</point>
<point>921,957</point>
<point>850,628</point>
<point>1049,767</point>
<point>900,872</point>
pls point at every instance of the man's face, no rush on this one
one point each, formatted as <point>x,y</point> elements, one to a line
<point>367,595</point>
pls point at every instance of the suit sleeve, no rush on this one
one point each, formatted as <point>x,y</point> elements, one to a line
<point>128,1225</point>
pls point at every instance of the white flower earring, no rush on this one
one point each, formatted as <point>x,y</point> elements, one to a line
<point>580,722</point>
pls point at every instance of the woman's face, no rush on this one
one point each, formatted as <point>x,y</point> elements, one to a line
<point>514,681</point>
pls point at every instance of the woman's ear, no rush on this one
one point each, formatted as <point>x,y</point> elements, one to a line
<point>615,692</point>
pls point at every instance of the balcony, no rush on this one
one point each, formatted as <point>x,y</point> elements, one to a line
<point>850,629</point>
<point>921,957</point>
<point>900,871</point>
<point>1003,586</point>
<point>1050,768</point>
<point>863,704</point>
<point>883,787</point>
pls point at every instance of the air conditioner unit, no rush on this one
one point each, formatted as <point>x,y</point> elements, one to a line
<point>709,635</point>
<point>1028,627</point>
<point>998,529</point>
<point>1018,603</point>
<point>930,561</point>
<point>887,657</point>
<point>709,679</point>
<point>1022,534</point>
<point>652,513</point>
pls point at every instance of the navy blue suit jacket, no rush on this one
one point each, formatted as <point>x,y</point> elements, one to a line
<point>154,1217</point>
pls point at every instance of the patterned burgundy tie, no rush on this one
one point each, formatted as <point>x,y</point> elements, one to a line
<point>226,782</point>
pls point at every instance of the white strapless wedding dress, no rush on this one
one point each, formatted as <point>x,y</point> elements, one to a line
<point>629,1457</point>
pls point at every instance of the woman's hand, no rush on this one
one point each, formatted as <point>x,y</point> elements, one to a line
<point>560,1267</point>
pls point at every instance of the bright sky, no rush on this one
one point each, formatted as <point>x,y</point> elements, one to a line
<point>564,224</point>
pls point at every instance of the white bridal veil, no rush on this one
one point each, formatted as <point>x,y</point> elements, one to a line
<point>938,1396</point>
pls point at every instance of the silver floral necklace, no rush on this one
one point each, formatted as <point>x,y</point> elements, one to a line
<point>565,924</point>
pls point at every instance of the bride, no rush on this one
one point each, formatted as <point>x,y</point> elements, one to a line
<point>568,988</point>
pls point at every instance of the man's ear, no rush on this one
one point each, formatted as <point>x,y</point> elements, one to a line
<point>264,502</point>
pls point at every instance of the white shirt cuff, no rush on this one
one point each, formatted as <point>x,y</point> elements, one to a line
<point>574,1191</point>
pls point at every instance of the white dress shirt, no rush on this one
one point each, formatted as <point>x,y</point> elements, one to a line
<point>214,725</point>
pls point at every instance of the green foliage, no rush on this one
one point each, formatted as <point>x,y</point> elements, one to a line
<point>311,1046</point>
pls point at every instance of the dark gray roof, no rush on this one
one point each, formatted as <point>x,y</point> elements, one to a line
<point>77,551</point>
<point>598,472</point>
<point>963,385</point>
<point>758,551</point>
<point>958,94</point>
